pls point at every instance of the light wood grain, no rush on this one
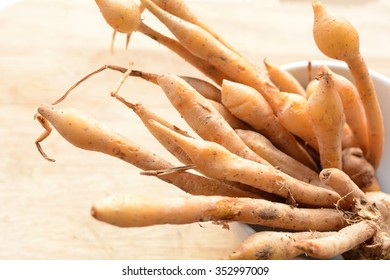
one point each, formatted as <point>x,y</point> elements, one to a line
<point>48,45</point>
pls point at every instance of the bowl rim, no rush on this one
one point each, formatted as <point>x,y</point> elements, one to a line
<point>337,64</point>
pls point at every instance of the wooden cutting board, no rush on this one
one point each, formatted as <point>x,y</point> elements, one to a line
<point>48,45</point>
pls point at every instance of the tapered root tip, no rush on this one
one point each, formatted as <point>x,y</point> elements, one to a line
<point>99,208</point>
<point>107,211</point>
<point>93,212</point>
<point>45,110</point>
<point>325,174</point>
<point>315,3</point>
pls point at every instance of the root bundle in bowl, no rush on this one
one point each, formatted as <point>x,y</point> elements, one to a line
<point>265,148</point>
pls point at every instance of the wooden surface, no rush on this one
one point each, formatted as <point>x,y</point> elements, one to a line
<point>47,45</point>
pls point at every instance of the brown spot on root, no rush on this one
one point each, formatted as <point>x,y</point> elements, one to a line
<point>118,153</point>
<point>264,253</point>
<point>269,214</point>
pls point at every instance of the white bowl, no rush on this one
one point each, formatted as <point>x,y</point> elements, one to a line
<point>382,85</point>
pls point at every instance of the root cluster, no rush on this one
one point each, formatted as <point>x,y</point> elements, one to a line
<point>268,150</point>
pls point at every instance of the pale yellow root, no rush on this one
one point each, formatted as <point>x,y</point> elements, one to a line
<point>181,10</point>
<point>145,115</point>
<point>202,65</point>
<point>311,87</point>
<point>338,39</point>
<point>272,245</point>
<point>339,243</point>
<point>285,163</point>
<point>284,80</point>
<point>355,116</point>
<point>354,130</point>
<point>202,117</point>
<point>203,45</point>
<point>292,114</point>
<point>343,185</point>
<point>130,211</point>
<point>232,120</point>
<point>249,105</point>
<point>87,133</point>
<point>373,111</point>
<point>205,88</point>
<point>199,42</point>
<point>198,185</point>
<point>215,161</point>
<point>123,16</point>
<point>326,117</point>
